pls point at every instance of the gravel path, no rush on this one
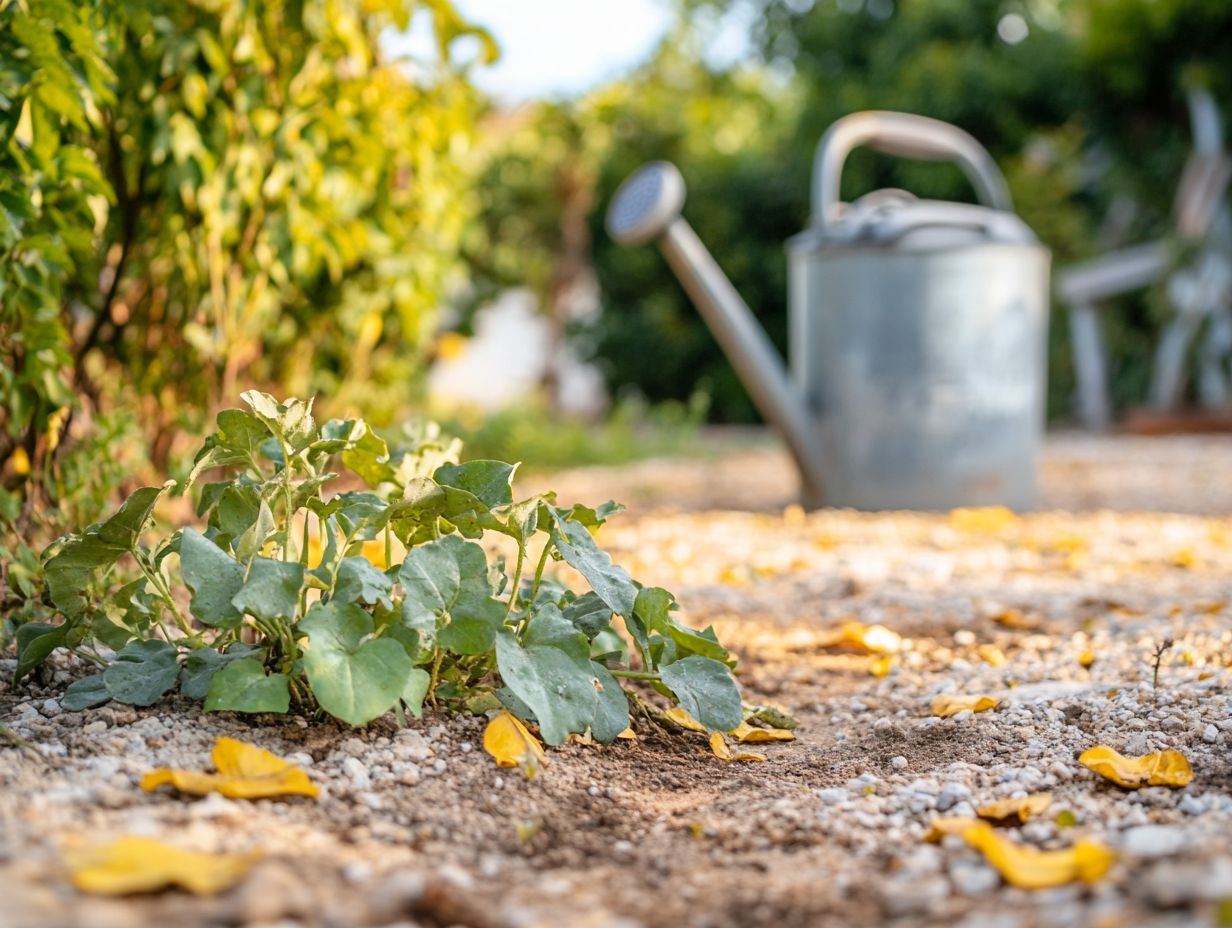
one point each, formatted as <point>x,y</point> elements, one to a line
<point>418,827</point>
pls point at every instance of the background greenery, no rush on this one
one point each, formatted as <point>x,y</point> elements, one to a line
<point>204,196</point>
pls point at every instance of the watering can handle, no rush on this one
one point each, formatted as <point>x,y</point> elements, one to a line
<point>907,135</point>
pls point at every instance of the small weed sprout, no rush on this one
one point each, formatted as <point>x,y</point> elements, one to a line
<point>1159,657</point>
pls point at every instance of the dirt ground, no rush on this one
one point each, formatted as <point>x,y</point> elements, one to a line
<point>418,826</point>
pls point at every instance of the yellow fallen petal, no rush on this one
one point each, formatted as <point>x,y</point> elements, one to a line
<point>244,772</point>
<point>948,825</point>
<point>1006,811</point>
<point>881,666</point>
<point>952,705</point>
<point>512,745</point>
<point>1025,867</point>
<point>718,744</point>
<point>749,734</point>
<point>21,461</point>
<point>1159,768</point>
<point>139,865</point>
<point>1086,658</point>
<point>628,734</point>
<point>1012,618</point>
<point>684,720</point>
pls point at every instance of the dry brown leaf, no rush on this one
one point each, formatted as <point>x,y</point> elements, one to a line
<point>750,734</point>
<point>512,745</point>
<point>1159,768</point>
<point>952,705</point>
<point>1015,811</point>
<point>244,772</point>
<point>1027,868</point>
<point>718,745</point>
<point>142,865</point>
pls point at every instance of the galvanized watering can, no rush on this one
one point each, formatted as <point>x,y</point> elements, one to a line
<point>918,328</point>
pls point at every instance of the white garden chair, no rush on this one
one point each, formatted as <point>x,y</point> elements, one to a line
<point>1199,289</point>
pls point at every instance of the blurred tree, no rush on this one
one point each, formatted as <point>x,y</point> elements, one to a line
<point>199,194</point>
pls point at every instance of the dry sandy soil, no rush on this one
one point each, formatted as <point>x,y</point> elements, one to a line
<point>419,827</point>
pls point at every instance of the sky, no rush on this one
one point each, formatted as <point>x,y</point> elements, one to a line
<point>558,47</point>
<point>552,47</point>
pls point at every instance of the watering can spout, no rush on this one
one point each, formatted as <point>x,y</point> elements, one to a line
<point>647,208</point>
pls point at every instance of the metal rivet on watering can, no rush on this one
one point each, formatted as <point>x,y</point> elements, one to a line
<point>918,328</point>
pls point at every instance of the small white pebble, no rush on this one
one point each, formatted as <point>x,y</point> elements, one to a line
<point>898,762</point>
<point>466,747</point>
<point>1210,734</point>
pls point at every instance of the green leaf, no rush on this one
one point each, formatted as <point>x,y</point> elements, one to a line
<point>202,664</point>
<point>214,577</point>
<point>271,590</point>
<point>416,689</point>
<point>359,581</point>
<point>243,686</point>
<point>491,482</point>
<point>142,673</point>
<point>653,609</point>
<point>85,693</point>
<point>353,676</point>
<point>589,614</point>
<point>705,689</point>
<point>610,581</point>
<point>550,671</point>
<point>448,594</point>
<point>593,518</point>
<point>129,612</point>
<point>291,420</point>
<point>611,708</point>
<point>236,442</point>
<point>368,456</point>
<point>254,537</point>
<point>69,571</point>
<point>36,640</point>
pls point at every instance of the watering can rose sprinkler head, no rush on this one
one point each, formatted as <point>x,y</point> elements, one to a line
<point>647,208</point>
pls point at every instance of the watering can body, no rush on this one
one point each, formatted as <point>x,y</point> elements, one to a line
<point>918,331</point>
<point>917,328</point>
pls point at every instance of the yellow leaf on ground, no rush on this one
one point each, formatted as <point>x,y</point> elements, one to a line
<point>991,655</point>
<point>718,744</point>
<point>982,519</point>
<point>1086,658</point>
<point>948,825</point>
<point>684,720</point>
<point>1012,618</point>
<point>881,666</point>
<point>512,745</point>
<point>1009,811</point>
<point>142,865</point>
<point>1027,868</point>
<point>952,705</point>
<point>1185,558</point>
<point>244,772</point>
<point>874,639</point>
<point>628,734</point>
<point>1159,768</point>
<point>749,734</point>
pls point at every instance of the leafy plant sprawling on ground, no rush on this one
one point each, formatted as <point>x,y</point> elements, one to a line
<point>283,605</point>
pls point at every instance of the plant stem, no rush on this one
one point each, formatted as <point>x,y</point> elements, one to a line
<point>436,669</point>
<point>543,563</point>
<point>634,674</point>
<point>165,595</point>
<point>286,493</point>
<point>517,581</point>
